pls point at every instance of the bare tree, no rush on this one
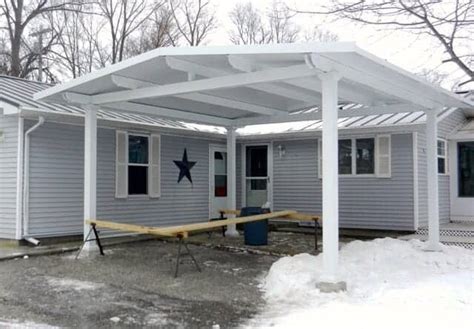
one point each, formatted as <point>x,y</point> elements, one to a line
<point>194,19</point>
<point>276,27</point>
<point>124,17</point>
<point>281,24</point>
<point>320,35</point>
<point>75,48</point>
<point>248,27</point>
<point>159,31</point>
<point>19,16</point>
<point>451,23</point>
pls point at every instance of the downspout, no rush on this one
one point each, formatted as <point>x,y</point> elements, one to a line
<point>26,182</point>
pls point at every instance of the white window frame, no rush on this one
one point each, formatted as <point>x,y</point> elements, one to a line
<point>444,156</point>
<point>354,153</point>
<point>147,165</point>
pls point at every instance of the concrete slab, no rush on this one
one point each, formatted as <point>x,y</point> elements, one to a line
<point>133,286</point>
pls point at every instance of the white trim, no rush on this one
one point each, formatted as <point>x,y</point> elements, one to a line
<point>151,166</point>
<point>19,180</point>
<point>213,148</point>
<point>119,163</point>
<point>378,155</point>
<point>443,156</point>
<point>416,201</point>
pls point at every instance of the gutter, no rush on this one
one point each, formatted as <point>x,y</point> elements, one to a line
<point>26,182</point>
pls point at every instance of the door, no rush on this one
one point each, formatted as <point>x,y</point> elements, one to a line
<point>462,182</point>
<point>217,180</point>
<point>257,175</point>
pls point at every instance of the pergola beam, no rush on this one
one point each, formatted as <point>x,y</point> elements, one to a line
<point>205,71</point>
<point>229,81</point>
<point>130,83</point>
<point>368,78</point>
<point>317,115</point>
<point>163,112</point>
<point>312,85</point>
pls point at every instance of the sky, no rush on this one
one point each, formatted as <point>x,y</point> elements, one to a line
<point>400,48</point>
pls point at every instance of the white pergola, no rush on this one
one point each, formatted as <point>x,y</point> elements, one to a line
<point>234,86</point>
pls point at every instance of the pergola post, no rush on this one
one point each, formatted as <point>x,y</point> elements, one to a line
<point>432,179</point>
<point>90,168</point>
<point>330,183</point>
<point>231,178</point>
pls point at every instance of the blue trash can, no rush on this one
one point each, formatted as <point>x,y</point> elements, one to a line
<point>255,233</point>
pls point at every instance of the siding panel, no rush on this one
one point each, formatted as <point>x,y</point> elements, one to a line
<point>56,205</point>
<point>8,176</point>
<point>365,202</point>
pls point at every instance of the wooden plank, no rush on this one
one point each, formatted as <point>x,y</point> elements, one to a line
<point>182,230</point>
<point>129,227</point>
<point>294,216</point>
<point>303,217</point>
<point>225,222</point>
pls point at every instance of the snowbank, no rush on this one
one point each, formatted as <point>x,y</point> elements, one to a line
<point>391,283</point>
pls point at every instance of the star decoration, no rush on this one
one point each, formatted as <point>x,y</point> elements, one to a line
<point>184,167</point>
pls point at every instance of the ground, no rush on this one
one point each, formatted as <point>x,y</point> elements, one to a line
<point>391,282</point>
<point>132,286</point>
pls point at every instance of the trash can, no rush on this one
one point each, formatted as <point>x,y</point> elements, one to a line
<point>255,233</point>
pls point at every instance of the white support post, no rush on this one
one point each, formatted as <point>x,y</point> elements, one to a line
<point>330,180</point>
<point>432,173</point>
<point>90,168</point>
<point>231,179</point>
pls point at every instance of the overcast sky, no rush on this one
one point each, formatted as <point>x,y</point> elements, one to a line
<point>400,48</point>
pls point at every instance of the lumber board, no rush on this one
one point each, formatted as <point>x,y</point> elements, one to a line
<point>225,222</point>
<point>129,227</point>
<point>294,216</point>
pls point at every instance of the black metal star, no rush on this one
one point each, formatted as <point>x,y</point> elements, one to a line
<point>184,167</point>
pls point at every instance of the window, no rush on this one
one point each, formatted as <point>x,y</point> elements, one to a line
<point>362,156</point>
<point>442,158</point>
<point>345,157</point>
<point>137,165</point>
<point>365,155</point>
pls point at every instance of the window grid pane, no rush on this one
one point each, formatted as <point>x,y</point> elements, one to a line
<point>365,156</point>
<point>345,156</point>
<point>138,149</point>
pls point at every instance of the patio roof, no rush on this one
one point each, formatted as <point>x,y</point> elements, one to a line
<point>238,86</point>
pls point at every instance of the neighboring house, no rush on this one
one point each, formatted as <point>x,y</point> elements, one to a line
<point>382,166</point>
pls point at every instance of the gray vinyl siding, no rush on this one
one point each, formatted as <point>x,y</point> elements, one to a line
<point>365,202</point>
<point>56,195</point>
<point>8,176</point>
<point>446,127</point>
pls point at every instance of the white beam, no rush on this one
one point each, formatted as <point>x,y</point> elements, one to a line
<point>240,63</point>
<point>90,167</point>
<point>229,81</point>
<point>330,177</point>
<point>231,178</point>
<point>164,112</point>
<point>129,83</point>
<point>205,71</point>
<point>351,70</point>
<point>432,176</point>
<point>317,115</point>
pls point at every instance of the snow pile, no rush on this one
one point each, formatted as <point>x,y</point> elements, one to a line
<point>391,283</point>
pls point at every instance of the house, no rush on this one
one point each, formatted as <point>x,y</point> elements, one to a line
<point>52,202</point>
<point>153,168</point>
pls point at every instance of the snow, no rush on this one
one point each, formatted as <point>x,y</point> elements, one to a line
<point>72,284</point>
<point>391,284</point>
